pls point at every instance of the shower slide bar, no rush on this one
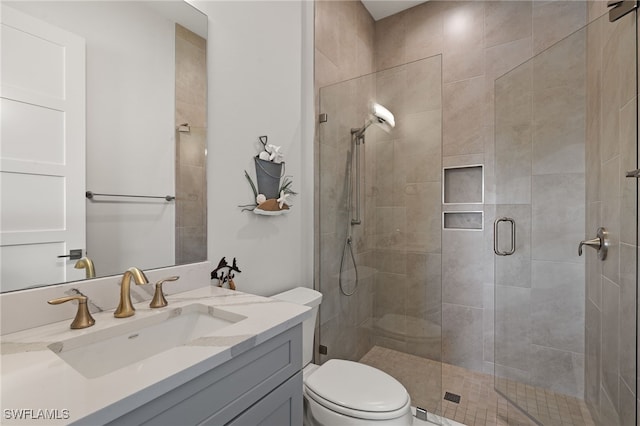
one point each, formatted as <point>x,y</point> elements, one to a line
<point>359,139</point>
<point>512,249</point>
<point>90,195</point>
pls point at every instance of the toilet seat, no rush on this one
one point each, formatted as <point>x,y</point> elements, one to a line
<point>357,390</point>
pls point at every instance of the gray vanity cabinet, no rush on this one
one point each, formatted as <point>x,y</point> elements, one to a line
<point>261,386</point>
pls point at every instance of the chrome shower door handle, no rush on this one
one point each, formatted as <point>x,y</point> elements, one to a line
<point>496,250</point>
<point>600,243</point>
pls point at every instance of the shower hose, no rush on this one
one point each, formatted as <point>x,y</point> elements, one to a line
<point>348,243</point>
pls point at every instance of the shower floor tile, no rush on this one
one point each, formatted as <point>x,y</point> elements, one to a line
<point>480,405</point>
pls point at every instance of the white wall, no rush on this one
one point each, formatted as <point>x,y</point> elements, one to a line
<point>259,84</point>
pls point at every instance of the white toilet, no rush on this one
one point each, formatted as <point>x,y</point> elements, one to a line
<point>343,392</point>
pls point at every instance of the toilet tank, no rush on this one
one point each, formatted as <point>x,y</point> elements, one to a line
<point>307,297</point>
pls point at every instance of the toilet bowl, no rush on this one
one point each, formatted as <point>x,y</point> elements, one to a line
<point>349,393</point>
<point>342,392</point>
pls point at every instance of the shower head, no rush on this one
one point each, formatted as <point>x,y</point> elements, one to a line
<point>380,116</point>
<point>384,117</point>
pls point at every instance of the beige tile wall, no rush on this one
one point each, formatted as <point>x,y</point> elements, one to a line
<point>610,363</point>
<point>191,107</point>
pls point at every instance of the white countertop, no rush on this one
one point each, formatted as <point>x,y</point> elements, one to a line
<point>34,378</point>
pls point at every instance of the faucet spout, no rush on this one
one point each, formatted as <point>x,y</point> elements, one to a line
<point>87,264</point>
<point>125,307</point>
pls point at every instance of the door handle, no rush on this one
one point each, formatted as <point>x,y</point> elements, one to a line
<point>512,249</point>
<point>600,243</point>
<point>74,254</point>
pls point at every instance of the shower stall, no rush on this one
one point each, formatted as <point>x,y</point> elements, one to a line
<point>466,256</point>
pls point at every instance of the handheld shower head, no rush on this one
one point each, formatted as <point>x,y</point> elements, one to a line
<point>380,116</point>
<point>384,117</point>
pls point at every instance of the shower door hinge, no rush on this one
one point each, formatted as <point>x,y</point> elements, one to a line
<point>619,8</point>
<point>323,118</point>
<point>634,173</point>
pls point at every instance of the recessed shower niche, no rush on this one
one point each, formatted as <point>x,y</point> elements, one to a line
<point>463,220</point>
<point>463,185</point>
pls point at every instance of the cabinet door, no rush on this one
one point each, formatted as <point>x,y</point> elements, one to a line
<point>282,407</point>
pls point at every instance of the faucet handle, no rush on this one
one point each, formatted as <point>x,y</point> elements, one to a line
<point>159,300</point>
<point>83,317</point>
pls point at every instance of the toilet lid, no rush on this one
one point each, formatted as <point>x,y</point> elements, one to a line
<point>357,386</point>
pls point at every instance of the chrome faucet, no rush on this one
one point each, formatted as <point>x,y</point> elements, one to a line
<point>125,307</point>
<point>87,264</point>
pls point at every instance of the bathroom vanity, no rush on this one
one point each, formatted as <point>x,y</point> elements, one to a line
<point>213,356</point>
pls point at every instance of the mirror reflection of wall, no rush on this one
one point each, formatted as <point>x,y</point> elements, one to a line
<point>191,146</point>
<point>134,104</point>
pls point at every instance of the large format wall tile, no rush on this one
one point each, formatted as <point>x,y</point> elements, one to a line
<point>423,213</point>
<point>507,21</point>
<point>344,41</point>
<point>424,31</point>
<point>461,260</point>
<point>424,85</point>
<point>488,323</point>
<point>513,332</point>
<point>559,107</point>
<point>558,213</point>
<point>463,117</point>
<point>611,215</point>
<point>628,311</point>
<point>513,136</point>
<point>462,336</point>
<point>463,31</point>
<point>557,304</point>
<point>499,60</point>
<point>610,338</point>
<point>559,371</point>
<point>419,152</point>
<point>593,264</point>
<point>628,162</point>
<point>554,20</point>
<point>592,355</point>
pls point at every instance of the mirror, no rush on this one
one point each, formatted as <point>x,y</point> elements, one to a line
<point>130,105</point>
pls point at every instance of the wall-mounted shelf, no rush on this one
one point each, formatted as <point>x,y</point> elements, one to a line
<point>270,213</point>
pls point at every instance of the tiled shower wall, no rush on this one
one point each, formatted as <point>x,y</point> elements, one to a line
<point>191,108</point>
<point>610,337</point>
<point>478,41</point>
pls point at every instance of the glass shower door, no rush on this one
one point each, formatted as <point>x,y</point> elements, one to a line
<point>565,134</point>
<point>380,278</point>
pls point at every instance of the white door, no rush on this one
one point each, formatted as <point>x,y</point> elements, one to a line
<point>42,151</point>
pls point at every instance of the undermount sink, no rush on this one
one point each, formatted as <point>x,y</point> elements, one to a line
<point>101,352</point>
